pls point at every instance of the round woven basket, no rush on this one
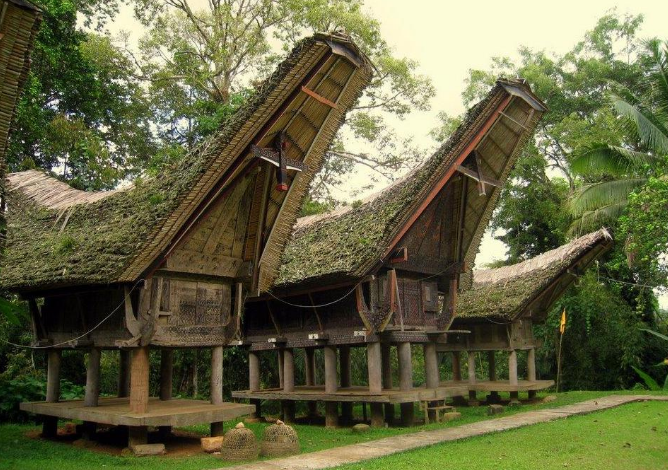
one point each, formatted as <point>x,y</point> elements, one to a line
<point>239,444</point>
<point>280,440</point>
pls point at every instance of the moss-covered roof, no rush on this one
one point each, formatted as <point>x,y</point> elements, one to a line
<point>346,244</point>
<point>116,238</point>
<point>513,291</point>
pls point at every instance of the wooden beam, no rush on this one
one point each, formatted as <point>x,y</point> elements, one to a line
<point>139,380</point>
<point>473,143</point>
<point>93,378</point>
<point>319,98</point>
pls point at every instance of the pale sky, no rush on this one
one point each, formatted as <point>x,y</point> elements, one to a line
<point>449,38</point>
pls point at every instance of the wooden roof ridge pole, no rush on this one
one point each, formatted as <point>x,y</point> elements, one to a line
<point>487,126</point>
<point>308,152</point>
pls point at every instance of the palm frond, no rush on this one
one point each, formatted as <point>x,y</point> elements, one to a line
<point>593,220</point>
<point>651,132</point>
<point>609,159</point>
<point>658,79</point>
<point>597,195</point>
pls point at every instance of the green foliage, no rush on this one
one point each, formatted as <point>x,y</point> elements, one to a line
<point>82,111</point>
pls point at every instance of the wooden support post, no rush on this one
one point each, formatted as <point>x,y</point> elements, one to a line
<point>512,376</point>
<point>375,368</point>
<point>406,381</point>
<point>254,383</point>
<point>344,365</point>
<point>493,397</point>
<point>280,368</point>
<point>309,368</point>
<point>166,373</point>
<point>288,385</point>
<point>139,392</point>
<point>253,371</point>
<point>332,415</point>
<point>531,370</point>
<point>50,423</point>
<point>432,377</point>
<point>386,353</point>
<point>431,365</point>
<point>217,386</point>
<point>139,380</point>
<point>456,366</point>
<point>124,373</point>
<point>92,393</point>
<point>473,400</point>
<point>288,370</point>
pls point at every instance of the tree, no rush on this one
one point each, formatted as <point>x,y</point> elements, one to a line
<point>82,113</point>
<point>201,65</point>
<point>623,168</point>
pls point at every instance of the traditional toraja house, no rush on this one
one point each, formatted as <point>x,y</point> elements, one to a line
<point>386,273</point>
<point>503,304</point>
<point>168,262</point>
<point>19,22</point>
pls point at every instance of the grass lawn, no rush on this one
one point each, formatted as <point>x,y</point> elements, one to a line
<point>633,436</point>
<point>20,452</point>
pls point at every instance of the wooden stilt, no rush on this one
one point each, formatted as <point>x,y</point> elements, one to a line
<point>217,386</point>
<point>493,397</point>
<point>375,368</point>
<point>166,373</point>
<point>432,376</point>
<point>406,381</point>
<point>280,368</point>
<point>139,380</point>
<point>137,435</point>
<point>512,376</point>
<point>531,370</point>
<point>309,368</point>
<point>331,408</point>
<point>344,366</point>
<point>254,383</point>
<point>473,400</point>
<point>50,423</point>
<point>124,373</point>
<point>92,394</point>
<point>386,359</point>
<point>457,375</point>
<point>287,406</point>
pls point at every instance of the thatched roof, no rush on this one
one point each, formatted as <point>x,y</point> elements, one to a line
<point>19,22</point>
<point>531,287</point>
<point>348,244</point>
<point>58,236</point>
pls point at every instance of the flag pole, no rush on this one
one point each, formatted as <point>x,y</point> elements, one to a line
<point>562,329</point>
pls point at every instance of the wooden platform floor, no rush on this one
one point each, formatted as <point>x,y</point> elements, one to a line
<point>355,394</point>
<point>116,411</point>
<point>361,394</point>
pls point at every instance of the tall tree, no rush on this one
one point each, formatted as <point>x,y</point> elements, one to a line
<point>83,114</point>
<point>622,168</point>
<point>201,64</point>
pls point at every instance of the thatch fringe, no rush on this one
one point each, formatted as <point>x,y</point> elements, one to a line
<point>507,291</point>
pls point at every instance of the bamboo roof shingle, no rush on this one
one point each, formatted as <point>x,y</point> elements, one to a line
<point>531,287</point>
<point>350,243</point>
<point>58,236</point>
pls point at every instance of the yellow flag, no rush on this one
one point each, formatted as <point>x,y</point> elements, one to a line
<point>562,325</point>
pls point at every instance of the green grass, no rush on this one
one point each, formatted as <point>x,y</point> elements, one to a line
<point>20,452</point>
<point>633,436</point>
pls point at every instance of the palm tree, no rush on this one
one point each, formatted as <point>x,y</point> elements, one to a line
<point>622,169</point>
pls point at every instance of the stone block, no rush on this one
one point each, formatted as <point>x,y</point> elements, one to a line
<point>212,444</point>
<point>549,398</point>
<point>445,417</point>
<point>143,450</point>
<point>361,428</point>
<point>494,409</point>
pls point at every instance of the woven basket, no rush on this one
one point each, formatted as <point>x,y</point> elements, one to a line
<point>280,440</point>
<point>239,444</point>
